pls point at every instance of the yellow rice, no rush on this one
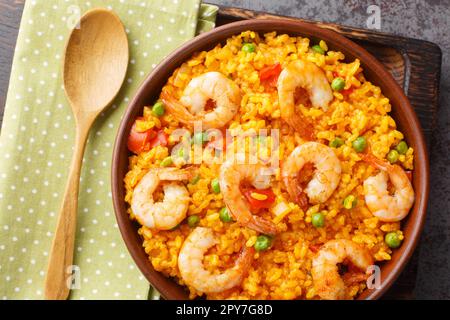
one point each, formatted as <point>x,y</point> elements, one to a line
<point>283,271</point>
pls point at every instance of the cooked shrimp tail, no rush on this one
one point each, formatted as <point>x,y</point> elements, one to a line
<point>176,174</point>
<point>230,178</point>
<point>210,86</point>
<point>169,212</point>
<point>296,192</point>
<point>380,202</point>
<point>306,75</point>
<point>326,175</point>
<point>262,225</point>
<point>328,283</point>
<point>177,109</point>
<point>245,259</point>
<point>302,125</point>
<point>374,161</point>
<point>194,274</point>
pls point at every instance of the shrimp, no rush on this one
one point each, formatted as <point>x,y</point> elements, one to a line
<point>325,272</point>
<point>172,209</point>
<point>230,177</point>
<point>200,90</point>
<point>193,273</point>
<point>310,77</point>
<point>325,178</point>
<point>388,207</point>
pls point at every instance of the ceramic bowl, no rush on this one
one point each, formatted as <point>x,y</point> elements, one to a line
<point>374,71</point>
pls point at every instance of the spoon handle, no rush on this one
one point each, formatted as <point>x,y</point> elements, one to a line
<point>59,274</point>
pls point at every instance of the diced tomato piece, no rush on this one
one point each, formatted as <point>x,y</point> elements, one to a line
<point>347,91</point>
<point>144,141</point>
<point>161,139</point>
<point>256,204</point>
<point>270,74</point>
<point>139,141</point>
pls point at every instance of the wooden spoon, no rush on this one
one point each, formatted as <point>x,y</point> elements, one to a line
<point>95,65</point>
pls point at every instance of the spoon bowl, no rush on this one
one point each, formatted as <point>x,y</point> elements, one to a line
<point>95,65</point>
<point>96,61</point>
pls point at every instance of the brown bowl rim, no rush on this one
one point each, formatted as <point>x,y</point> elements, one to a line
<point>167,287</point>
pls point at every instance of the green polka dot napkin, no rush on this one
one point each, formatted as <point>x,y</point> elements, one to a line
<point>37,140</point>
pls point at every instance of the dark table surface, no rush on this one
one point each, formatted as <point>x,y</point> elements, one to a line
<point>423,19</point>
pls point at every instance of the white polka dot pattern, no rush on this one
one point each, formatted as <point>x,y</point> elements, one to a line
<point>36,146</point>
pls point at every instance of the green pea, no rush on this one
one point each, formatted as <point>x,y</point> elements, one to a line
<point>200,137</point>
<point>392,156</point>
<point>350,202</point>
<point>318,49</point>
<point>248,47</point>
<point>359,144</point>
<point>158,109</point>
<point>402,147</point>
<point>180,153</point>
<point>224,215</point>
<point>336,143</point>
<point>166,162</point>
<point>392,240</point>
<point>262,243</point>
<point>215,186</point>
<point>318,220</point>
<point>338,84</point>
<point>195,179</point>
<point>193,221</point>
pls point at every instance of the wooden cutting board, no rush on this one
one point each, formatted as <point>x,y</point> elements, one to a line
<point>414,64</point>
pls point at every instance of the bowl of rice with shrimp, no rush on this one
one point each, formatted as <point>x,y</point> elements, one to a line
<point>270,159</point>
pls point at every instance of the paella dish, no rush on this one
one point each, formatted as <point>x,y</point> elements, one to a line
<point>269,167</point>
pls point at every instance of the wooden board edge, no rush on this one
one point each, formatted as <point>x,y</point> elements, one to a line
<point>234,13</point>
